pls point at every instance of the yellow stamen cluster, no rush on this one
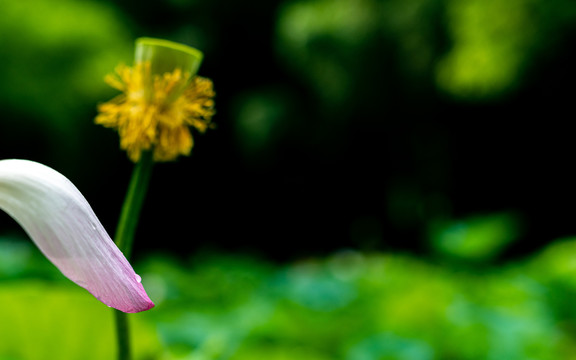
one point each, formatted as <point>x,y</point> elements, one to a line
<point>154,112</point>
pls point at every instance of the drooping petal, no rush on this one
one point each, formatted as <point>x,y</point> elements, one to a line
<point>62,224</point>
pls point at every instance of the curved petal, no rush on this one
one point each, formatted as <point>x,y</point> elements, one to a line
<point>62,224</point>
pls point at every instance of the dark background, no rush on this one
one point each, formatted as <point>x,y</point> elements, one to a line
<point>335,126</point>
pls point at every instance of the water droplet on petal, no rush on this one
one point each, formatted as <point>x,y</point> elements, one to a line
<point>138,278</point>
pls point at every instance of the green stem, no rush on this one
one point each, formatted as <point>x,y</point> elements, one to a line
<point>122,335</point>
<point>133,204</point>
<point>125,237</point>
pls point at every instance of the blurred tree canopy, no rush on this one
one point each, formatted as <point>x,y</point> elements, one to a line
<point>359,123</point>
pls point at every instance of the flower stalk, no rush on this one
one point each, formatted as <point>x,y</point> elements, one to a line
<point>132,206</point>
<point>161,99</point>
<point>124,237</point>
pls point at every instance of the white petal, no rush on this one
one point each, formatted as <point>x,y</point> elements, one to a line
<point>62,224</point>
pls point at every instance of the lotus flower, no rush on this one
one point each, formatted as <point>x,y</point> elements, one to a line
<point>161,100</point>
<point>62,224</point>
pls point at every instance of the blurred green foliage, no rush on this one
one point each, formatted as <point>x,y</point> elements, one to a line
<point>473,49</point>
<point>477,238</point>
<point>44,316</point>
<point>495,42</point>
<point>350,306</point>
<point>54,55</point>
